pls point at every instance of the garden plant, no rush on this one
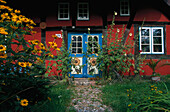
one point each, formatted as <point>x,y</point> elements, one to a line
<point>115,58</point>
<point>23,85</point>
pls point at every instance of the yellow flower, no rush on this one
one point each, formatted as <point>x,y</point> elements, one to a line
<point>40,60</point>
<point>149,98</point>
<point>52,44</point>
<point>127,90</point>
<point>13,27</point>
<point>152,89</point>
<point>29,64</point>
<point>35,42</point>
<point>3,55</point>
<point>129,105</point>
<point>2,1</point>
<point>34,32</point>
<point>24,102</point>
<point>50,55</point>
<point>151,102</point>
<point>130,89</point>
<point>3,32</point>
<point>49,98</point>
<point>128,95</point>
<point>152,85</point>
<point>55,36</point>
<point>22,64</point>
<point>41,45</point>
<point>160,92</point>
<point>17,11</point>
<point>2,48</point>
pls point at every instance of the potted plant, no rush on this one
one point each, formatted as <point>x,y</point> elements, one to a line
<point>156,77</point>
<point>154,65</point>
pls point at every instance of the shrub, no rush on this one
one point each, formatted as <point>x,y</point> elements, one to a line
<point>22,63</point>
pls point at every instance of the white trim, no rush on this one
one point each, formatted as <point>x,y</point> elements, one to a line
<point>151,40</point>
<point>121,8</point>
<point>162,35</point>
<point>78,18</point>
<point>59,11</point>
<point>76,44</point>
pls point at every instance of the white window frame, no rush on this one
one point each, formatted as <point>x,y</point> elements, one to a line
<point>151,40</point>
<point>59,18</point>
<point>121,8</point>
<point>78,18</point>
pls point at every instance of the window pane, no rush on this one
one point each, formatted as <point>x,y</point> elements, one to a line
<point>145,48</point>
<point>90,39</point>
<point>73,50</point>
<point>79,38</point>
<point>157,48</point>
<point>79,50</point>
<point>74,44</point>
<point>89,44</point>
<point>156,32</point>
<point>74,38</point>
<point>145,40</point>
<point>95,38</point>
<point>79,44</point>
<point>95,44</point>
<point>157,40</point>
<point>145,32</point>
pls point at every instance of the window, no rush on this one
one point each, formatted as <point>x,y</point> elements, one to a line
<point>124,8</point>
<point>83,11</point>
<point>63,11</point>
<point>77,44</point>
<point>151,40</point>
<point>93,43</point>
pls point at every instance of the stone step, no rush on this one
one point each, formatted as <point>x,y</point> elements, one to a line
<point>83,81</point>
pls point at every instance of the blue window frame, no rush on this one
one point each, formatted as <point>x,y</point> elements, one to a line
<point>151,40</point>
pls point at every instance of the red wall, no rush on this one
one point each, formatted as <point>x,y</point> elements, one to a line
<point>162,70</point>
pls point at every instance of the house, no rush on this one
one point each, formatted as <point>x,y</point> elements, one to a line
<point>74,18</point>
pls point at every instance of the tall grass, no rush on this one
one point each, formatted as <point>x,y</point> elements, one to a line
<point>123,96</point>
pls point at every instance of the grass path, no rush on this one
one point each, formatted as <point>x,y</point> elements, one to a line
<point>88,99</point>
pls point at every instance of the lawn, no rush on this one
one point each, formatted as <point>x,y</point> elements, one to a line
<point>133,95</point>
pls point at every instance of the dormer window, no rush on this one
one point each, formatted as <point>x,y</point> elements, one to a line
<point>124,8</point>
<point>83,11</point>
<point>63,11</point>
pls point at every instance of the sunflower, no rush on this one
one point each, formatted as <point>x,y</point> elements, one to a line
<point>76,61</point>
<point>24,102</point>
<point>93,61</point>
<point>22,64</point>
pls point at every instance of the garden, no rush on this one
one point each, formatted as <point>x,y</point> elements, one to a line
<point>27,86</point>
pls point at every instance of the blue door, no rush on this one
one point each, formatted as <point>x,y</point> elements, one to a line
<point>79,44</point>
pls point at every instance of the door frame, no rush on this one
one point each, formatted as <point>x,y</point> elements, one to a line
<point>84,49</point>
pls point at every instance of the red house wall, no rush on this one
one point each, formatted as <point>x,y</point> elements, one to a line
<point>150,15</point>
